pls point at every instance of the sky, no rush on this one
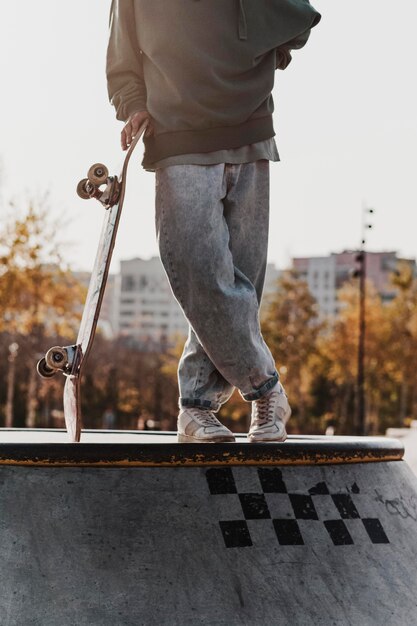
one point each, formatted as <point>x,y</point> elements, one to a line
<point>346,123</point>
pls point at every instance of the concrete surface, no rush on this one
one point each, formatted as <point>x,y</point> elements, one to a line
<point>216,546</point>
<point>408,437</point>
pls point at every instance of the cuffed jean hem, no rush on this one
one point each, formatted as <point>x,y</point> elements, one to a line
<point>201,404</point>
<point>261,391</point>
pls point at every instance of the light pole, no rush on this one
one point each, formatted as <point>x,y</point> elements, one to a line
<point>13,350</point>
<point>361,426</point>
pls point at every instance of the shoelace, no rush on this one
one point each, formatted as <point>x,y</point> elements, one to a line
<point>207,418</point>
<point>264,410</point>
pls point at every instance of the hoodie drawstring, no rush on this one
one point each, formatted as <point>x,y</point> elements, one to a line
<point>242,24</point>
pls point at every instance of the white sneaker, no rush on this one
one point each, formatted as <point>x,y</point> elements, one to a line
<point>197,425</point>
<point>269,416</point>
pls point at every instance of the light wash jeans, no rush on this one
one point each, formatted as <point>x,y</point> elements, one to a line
<point>212,227</point>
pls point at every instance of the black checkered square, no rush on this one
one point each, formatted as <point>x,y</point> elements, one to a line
<point>236,534</point>
<point>288,532</point>
<point>304,506</point>
<point>254,506</point>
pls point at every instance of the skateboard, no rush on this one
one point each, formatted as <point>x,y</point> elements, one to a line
<point>71,360</point>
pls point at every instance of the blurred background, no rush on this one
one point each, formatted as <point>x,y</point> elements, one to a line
<point>340,315</point>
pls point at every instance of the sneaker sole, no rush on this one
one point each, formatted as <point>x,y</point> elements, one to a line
<point>280,439</point>
<point>189,439</point>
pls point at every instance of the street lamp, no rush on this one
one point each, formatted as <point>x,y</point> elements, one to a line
<point>361,425</point>
<point>13,350</point>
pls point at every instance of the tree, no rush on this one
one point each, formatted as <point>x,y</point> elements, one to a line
<point>39,298</point>
<point>401,346</point>
<point>291,325</point>
<point>337,361</point>
<point>36,288</point>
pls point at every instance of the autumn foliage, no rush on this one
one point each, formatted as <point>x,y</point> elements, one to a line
<point>318,360</point>
<point>41,304</point>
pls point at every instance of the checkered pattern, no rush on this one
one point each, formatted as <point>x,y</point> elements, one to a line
<point>236,533</point>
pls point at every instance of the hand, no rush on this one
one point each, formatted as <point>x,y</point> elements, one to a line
<point>132,126</point>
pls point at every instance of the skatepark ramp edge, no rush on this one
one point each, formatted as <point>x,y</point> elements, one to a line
<point>155,449</point>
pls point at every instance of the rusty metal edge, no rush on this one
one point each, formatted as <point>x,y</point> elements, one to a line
<point>200,455</point>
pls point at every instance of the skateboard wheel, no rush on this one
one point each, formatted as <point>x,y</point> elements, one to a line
<point>97,174</point>
<point>82,189</point>
<point>56,358</point>
<point>43,370</point>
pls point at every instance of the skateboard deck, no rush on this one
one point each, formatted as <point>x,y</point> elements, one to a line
<point>71,360</point>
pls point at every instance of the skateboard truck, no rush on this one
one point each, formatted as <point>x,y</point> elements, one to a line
<point>90,187</point>
<point>57,359</point>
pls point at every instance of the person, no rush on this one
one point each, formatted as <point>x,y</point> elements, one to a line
<point>201,72</point>
<point>109,418</point>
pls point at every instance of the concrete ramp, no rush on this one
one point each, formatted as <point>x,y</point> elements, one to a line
<point>134,529</point>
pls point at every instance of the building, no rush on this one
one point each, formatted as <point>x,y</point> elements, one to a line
<point>146,309</point>
<point>272,275</point>
<point>326,275</point>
